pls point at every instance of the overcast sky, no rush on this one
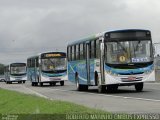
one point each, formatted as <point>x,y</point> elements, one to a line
<point>28,27</point>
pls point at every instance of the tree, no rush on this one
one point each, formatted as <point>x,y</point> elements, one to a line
<point>1,69</point>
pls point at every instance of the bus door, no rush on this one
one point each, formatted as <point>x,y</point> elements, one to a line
<point>87,51</point>
<point>102,81</point>
<point>35,70</point>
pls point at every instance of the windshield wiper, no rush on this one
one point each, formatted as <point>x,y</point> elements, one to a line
<point>136,48</point>
<point>121,46</point>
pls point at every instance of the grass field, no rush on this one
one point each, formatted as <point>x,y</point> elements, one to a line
<point>18,106</point>
<point>17,103</point>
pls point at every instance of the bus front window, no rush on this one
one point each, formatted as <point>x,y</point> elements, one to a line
<point>20,70</point>
<point>54,65</point>
<point>125,52</point>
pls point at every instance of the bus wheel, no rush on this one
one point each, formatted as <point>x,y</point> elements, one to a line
<point>41,84</point>
<point>52,83</point>
<point>19,81</point>
<point>24,81</point>
<point>36,83</point>
<point>139,87</point>
<point>101,88</point>
<point>80,87</point>
<point>33,84</point>
<point>62,83</point>
<point>112,88</point>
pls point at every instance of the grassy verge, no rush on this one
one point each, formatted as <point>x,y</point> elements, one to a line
<point>17,103</point>
<point>18,106</point>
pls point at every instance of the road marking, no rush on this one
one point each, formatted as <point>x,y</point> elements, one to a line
<point>116,96</point>
<point>36,93</point>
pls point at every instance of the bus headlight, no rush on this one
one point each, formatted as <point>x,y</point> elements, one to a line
<point>148,72</point>
<point>113,74</point>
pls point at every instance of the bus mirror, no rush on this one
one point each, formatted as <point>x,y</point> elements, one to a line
<point>101,46</point>
<point>39,61</point>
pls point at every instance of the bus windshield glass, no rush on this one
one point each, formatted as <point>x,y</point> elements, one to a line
<point>19,70</point>
<point>126,52</point>
<point>54,64</point>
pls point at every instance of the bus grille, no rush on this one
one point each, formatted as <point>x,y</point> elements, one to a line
<point>131,79</point>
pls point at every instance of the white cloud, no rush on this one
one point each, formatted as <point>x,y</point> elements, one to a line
<point>31,26</point>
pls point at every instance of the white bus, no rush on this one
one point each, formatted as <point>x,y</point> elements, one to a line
<point>111,59</point>
<point>15,72</point>
<point>49,67</point>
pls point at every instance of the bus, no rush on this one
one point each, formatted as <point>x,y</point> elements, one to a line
<point>112,59</point>
<point>15,72</point>
<point>48,67</point>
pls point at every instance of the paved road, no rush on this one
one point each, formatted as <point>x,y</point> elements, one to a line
<point>125,100</point>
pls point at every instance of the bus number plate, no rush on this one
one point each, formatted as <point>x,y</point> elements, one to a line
<point>131,78</point>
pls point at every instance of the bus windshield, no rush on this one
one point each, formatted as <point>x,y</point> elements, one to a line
<point>54,64</point>
<point>19,70</point>
<point>126,52</point>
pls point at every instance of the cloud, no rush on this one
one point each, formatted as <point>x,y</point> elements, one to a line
<point>31,26</point>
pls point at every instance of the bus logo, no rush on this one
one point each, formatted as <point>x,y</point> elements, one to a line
<point>122,58</point>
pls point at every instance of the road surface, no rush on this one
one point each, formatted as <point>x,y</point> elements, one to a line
<point>125,100</point>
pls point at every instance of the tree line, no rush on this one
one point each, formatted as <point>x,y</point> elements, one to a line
<point>1,69</point>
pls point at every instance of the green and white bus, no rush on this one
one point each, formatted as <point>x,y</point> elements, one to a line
<point>111,59</point>
<point>48,67</point>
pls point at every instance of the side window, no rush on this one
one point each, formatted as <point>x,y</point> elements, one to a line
<point>28,63</point>
<point>92,49</point>
<point>37,62</point>
<point>81,51</point>
<point>68,53</point>
<point>77,52</point>
<point>97,49</point>
<point>72,52</point>
<point>31,62</point>
<point>84,50</point>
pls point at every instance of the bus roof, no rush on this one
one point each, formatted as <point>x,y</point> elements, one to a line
<point>125,30</point>
<point>92,37</point>
<point>18,63</point>
<point>95,36</point>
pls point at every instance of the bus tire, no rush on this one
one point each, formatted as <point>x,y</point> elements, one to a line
<point>139,87</point>
<point>24,81</point>
<point>19,82</point>
<point>32,83</point>
<point>79,86</point>
<point>54,83</point>
<point>36,83</point>
<point>101,88</point>
<point>112,88</point>
<point>41,84</point>
<point>96,78</point>
<point>62,83</point>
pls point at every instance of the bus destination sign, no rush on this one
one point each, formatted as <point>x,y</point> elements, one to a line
<point>53,55</point>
